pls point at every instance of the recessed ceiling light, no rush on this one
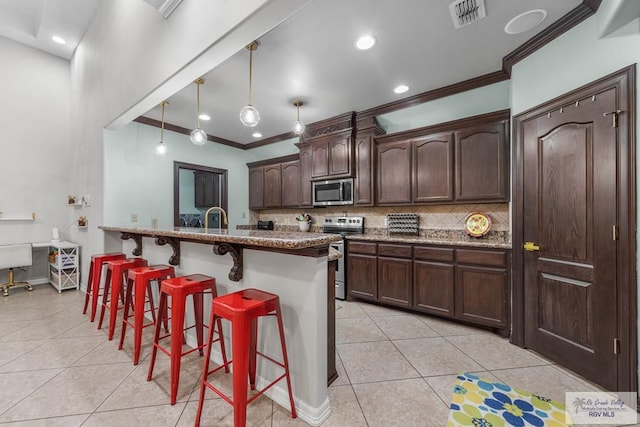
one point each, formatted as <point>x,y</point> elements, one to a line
<point>257,135</point>
<point>525,21</point>
<point>401,89</point>
<point>204,117</point>
<point>58,40</point>
<point>365,42</point>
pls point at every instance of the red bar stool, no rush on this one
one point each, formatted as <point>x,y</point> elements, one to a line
<point>242,309</point>
<point>113,288</point>
<point>178,289</point>
<point>95,275</point>
<point>139,284</point>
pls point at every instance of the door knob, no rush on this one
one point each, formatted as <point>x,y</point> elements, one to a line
<point>530,246</point>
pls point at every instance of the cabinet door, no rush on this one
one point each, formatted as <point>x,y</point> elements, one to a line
<point>433,287</point>
<point>394,173</point>
<point>481,163</point>
<point>363,195</point>
<point>340,156</point>
<point>291,184</point>
<point>305,176</point>
<point>433,168</point>
<point>272,186</point>
<point>481,295</point>
<point>362,277</point>
<point>207,189</point>
<point>256,188</point>
<point>320,158</point>
<point>395,281</point>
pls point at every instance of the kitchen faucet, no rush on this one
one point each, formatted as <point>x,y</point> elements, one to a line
<point>206,216</point>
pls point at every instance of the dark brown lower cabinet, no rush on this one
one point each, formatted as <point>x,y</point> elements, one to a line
<point>395,275</point>
<point>433,285</point>
<point>362,270</point>
<point>394,281</point>
<point>471,285</point>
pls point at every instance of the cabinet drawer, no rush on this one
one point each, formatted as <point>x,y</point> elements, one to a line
<point>433,254</point>
<point>396,251</point>
<point>488,258</point>
<point>362,248</point>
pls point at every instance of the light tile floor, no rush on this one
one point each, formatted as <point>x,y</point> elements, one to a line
<point>396,369</point>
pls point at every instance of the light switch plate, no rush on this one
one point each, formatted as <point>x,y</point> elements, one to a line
<point>134,217</point>
<point>86,200</point>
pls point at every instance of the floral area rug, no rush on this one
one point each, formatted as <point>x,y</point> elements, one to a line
<point>478,402</point>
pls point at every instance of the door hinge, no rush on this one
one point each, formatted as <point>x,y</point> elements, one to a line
<point>614,117</point>
<point>616,346</point>
<point>616,232</point>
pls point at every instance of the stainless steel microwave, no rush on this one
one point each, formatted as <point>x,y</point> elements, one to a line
<point>333,192</point>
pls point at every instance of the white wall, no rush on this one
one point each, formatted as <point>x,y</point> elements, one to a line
<point>131,58</point>
<point>35,165</point>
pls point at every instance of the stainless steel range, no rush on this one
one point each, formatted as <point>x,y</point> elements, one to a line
<point>344,225</point>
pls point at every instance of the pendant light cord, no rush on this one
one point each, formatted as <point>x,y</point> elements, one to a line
<point>250,72</point>
<point>164,103</point>
<point>198,105</point>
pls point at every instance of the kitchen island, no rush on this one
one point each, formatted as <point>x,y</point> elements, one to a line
<point>293,265</point>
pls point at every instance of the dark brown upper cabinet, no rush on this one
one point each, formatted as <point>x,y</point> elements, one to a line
<point>456,162</point>
<point>433,168</point>
<point>207,189</point>
<point>256,188</point>
<point>364,150</point>
<point>305,175</point>
<point>290,183</point>
<point>332,155</point>
<point>394,173</point>
<point>272,186</point>
<point>274,183</point>
<point>481,163</point>
<point>363,195</point>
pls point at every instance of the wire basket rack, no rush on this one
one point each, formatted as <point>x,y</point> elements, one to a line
<point>403,224</point>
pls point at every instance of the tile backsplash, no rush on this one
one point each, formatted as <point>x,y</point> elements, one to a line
<point>440,217</point>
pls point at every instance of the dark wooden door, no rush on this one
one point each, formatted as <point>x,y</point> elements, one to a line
<point>256,188</point>
<point>291,184</point>
<point>481,163</point>
<point>433,168</point>
<point>394,173</point>
<point>570,204</point>
<point>433,280</point>
<point>272,186</point>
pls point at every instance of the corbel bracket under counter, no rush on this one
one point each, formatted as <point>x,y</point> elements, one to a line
<point>218,248</point>
<point>235,251</point>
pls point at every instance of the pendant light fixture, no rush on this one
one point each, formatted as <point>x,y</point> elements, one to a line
<point>298,126</point>
<point>198,136</point>
<point>161,149</point>
<point>249,115</point>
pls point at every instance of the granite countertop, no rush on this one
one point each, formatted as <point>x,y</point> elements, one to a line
<point>448,241</point>
<point>334,254</point>
<point>259,238</point>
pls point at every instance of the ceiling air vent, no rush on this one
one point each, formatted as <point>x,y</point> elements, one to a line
<point>464,12</point>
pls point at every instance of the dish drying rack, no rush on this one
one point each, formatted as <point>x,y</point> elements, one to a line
<point>403,224</point>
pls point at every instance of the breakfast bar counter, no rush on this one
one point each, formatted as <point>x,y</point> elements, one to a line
<point>295,266</point>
